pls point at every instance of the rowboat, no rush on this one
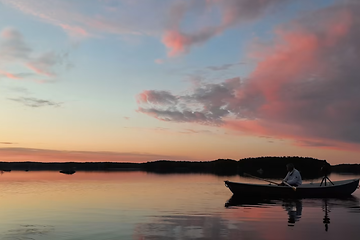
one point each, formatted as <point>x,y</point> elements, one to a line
<point>350,202</point>
<point>314,190</point>
<point>68,171</point>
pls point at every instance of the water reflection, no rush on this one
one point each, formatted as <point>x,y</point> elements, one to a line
<point>194,227</point>
<point>294,207</point>
<point>141,206</point>
<point>28,232</point>
<point>326,219</point>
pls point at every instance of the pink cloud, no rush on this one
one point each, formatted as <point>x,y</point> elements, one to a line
<point>178,42</point>
<point>10,75</point>
<point>156,97</point>
<point>159,61</point>
<point>232,12</point>
<point>74,30</point>
<point>175,41</point>
<point>305,86</point>
<point>38,70</point>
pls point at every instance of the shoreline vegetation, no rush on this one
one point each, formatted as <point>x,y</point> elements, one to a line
<point>269,167</point>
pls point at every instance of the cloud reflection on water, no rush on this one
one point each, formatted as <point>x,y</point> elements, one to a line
<point>27,232</point>
<point>254,219</point>
<point>294,207</point>
<point>193,227</point>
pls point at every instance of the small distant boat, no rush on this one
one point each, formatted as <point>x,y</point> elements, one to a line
<point>68,171</point>
<point>337,189</point>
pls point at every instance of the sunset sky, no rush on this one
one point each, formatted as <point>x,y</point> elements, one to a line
<point>143,80</point>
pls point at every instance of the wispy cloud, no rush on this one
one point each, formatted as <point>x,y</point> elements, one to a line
<point>7,143</point>
<point>164,130</point>
<point>35,102</point>
<point>14,51</point>
<point>58,17</point>
<point>223,67</point>
<point>72,17</point>
<point>13,46</point>
<point>16,76</point>
<point>45,63</point>
<point>10,75</point>
<point>48,155</point>
<point>159,61</point>
<point>193,131</point>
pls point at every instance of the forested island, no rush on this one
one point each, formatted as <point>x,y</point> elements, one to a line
<point>273,167</point>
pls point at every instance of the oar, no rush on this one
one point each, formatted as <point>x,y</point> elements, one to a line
<point>246,174</point>
<point>294,188</point>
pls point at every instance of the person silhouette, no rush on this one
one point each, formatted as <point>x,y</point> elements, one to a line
<point>293,176</point>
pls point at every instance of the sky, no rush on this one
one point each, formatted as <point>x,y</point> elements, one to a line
<point>144,80</point>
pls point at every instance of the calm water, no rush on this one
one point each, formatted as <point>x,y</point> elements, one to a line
<point>137,205</point>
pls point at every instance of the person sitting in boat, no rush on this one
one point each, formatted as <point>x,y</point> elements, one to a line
<point>293,176</point>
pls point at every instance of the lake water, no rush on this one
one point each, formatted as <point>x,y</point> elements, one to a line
<point>140,205</point>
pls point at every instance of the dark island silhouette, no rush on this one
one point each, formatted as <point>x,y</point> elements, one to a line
<point>270,167</point>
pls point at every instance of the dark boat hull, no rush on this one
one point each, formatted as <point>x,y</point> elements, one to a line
<point>67,171</point>
<point>340,189</point>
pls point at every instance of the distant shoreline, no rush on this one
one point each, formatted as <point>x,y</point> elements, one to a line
<point>261,166</point>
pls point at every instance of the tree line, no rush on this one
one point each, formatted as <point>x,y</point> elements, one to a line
<point>267,166</point>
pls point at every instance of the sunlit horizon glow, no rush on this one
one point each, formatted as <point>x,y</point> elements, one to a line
<point>196,80</point>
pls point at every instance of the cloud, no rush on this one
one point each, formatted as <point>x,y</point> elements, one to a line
<point>45,63</point>
<point>16,76</point>
<point>156,97</point>
<point>192,131</point>
<point>13,46</point>
<point>41,9</point>
<point>35,102</point>
<point>159,61</point>
<point>231,12</point>
<point>169,131</point>
<point>7,143</point>
<point>78,19</point>
<point>10,75</point>
<point>305,86</point>
<point>15,51</point>
<point>234,11</point>
<point>223,67</point>
<point>180,23</point>
<point>207,104</point>
<point>308,143</point>
<point>48,155</point>
<point>178,42</point>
